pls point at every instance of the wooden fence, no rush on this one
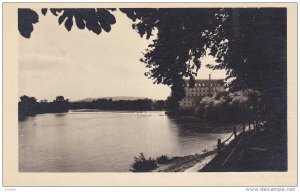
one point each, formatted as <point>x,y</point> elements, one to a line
<point>237,142</point>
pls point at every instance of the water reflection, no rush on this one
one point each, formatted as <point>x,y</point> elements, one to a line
<point>107,141</point>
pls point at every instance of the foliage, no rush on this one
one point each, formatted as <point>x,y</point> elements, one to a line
<point>238,107</point>
<point>173,55</point>
<point>250,44</point>
<point>159,105</point>
<point>163,159</point>
<point>181,42</point>
<point>141,164</point>
<point>26,19</point>
<point>29,106</point>
<point>109,104</point>
<point>172,104</point>
<point>95,20</point>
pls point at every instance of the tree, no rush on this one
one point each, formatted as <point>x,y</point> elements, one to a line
<point>249,43</point>
<point>60,104</point>
<point>252,48</point>
<point>28,100</point>
<point>27,106</point>
<point>233,107</point>
<point>172,105</point>
<point>181,42</point>
<point>59,99</point>
<point>94,20</point>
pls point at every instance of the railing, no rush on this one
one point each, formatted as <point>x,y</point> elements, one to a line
<point>242,130</point>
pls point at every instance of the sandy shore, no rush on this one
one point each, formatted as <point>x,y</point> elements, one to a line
<point>189,163</point>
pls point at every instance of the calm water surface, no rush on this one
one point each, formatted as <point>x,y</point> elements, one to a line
<point>108,141</point>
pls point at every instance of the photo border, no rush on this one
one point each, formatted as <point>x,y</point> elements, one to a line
<point>12,178</point>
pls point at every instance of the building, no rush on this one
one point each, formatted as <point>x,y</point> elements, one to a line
<point>203,88</point>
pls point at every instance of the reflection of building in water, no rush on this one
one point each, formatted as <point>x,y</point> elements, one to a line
<point>203,88</point>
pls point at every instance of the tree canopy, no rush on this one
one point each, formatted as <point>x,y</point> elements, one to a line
<point>249,43</point>
<point>94,20</point>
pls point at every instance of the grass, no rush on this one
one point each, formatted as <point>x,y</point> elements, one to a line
<point>141,164</point>
<point>164,159</point>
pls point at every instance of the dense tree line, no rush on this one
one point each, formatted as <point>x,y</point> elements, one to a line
<point>131,105</point>
<point>29,106</point>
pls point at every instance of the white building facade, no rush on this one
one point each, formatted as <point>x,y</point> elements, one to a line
<point>203,88</point>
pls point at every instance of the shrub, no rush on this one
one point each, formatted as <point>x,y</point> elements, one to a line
<point>164,159</point>
<point>141,164</point>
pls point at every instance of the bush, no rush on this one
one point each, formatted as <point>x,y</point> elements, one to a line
<point>141,164</point>
<point>164,159</point>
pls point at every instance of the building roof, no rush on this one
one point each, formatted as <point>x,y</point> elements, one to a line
<point>205,82</point>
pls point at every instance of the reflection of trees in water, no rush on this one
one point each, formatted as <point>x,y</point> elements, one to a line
<point>191,126</point>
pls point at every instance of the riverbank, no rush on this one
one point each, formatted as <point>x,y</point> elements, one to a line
<point>189,163</point>
<point>259,150</point>
<point>255,150</point>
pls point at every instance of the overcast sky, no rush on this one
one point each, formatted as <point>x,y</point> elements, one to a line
<point>80,64</point>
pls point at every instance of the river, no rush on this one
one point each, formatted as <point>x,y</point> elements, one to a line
<point>95,141</point>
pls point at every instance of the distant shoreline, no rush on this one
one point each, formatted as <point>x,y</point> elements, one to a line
<point>104,110</point>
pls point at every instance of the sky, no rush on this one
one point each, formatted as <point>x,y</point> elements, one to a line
<point>80,64</point>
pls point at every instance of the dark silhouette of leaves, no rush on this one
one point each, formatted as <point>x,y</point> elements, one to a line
<point>26,19</point>
<point>106,19</point>
<point>250,44</point>
<point>180,43</point>
<point>61,19</point>
<point>93,19</point>
<point>44,11</point>
<point>79,22</point>
<point>69,23</point>
<point>55,11</point>
<point>145,19</point>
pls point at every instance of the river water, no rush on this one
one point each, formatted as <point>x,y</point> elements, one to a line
<point>95,141</point>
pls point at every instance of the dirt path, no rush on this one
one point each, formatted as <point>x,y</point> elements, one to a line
<point>189,163</point>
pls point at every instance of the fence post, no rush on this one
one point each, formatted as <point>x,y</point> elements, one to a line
<point>219,146</point>
<point>244,128</point>
<point>249,126</point>
<point>235,135</point>
<point>234,132</point>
